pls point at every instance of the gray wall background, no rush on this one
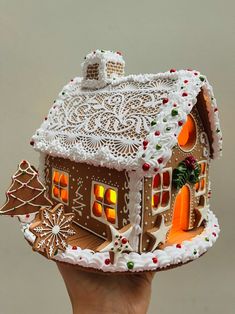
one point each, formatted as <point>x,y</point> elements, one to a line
<point>42,44</point>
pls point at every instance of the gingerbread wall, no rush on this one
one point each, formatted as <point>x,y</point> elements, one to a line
<point>201,152</point>
<point>81,177</point>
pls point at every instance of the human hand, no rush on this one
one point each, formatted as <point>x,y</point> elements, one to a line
<point>98,293</point>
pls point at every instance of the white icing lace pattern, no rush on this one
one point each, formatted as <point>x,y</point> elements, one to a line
<point>107,126</point>
<point>159,259</point>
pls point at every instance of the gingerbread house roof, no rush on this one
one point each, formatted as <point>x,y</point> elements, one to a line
<point>121,124</point>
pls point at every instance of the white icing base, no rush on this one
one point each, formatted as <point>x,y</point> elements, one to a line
<point>169,256</point>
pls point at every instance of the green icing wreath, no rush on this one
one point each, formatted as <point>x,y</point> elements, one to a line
<point>187,171</point>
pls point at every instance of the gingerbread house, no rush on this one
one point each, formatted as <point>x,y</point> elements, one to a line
<point>131,150</point>
<point>124,165</point>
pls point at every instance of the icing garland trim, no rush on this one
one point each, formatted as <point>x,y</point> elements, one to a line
<point>159,259</point>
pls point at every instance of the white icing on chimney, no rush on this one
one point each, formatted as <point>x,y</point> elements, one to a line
<point>102,67</point>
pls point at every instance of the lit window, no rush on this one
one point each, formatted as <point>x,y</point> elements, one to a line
<point>104,202</point>
<point>60,186</point>
<point>200,186</point>
<point>188,134</point>
<point>161,195</point>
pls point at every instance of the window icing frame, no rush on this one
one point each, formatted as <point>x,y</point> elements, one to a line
<point>103,217</point>
<point>59,186</point>
<point>160,190</point>
<point>202,176</point>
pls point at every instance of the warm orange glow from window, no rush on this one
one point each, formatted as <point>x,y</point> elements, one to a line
<point>56,177</point>
<point>60,190</point>
<point>197,186</point>
<point>188,134</point>
<point>64,180</point>
<point>105,202</point>
<point>56,191</point>
<point>97,209</point>
<point>203,168</point>
<point>110,197</point>
<point>64,195</point>
<point>110,214</point>
<point>99,192</point>
<point>202,184</point>
<point>181,210</point>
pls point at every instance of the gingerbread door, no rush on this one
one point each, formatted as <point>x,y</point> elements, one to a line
<point>181,213</point>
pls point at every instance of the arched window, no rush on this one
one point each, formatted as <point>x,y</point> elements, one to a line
<point>188,134</point>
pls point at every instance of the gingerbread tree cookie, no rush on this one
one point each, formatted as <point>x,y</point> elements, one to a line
<point>52,230</point>
<point>26,195</point>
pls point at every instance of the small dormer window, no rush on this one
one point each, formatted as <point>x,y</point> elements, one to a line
<point>101,68</point>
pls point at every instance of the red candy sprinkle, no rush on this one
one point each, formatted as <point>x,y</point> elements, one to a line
<point>180,123</point>
<point>157,133</point>
<point>32,143</point>
<point>155,260</point>
<point>74,248</point>
<point>124,241</point>
<point>119,53</point>
<point>45,118</point>
<point>185,81</point>
<point>214,234</point>
<point>172,70</point>
<point>156,169</point>
<point>165,101</point>
<point>145,143</point>
<point>178,246</point>
<point>175,105</point>
<point>116,243</point>
<point>195,73</point>
<point>160,160</point>
<point>184,94</point>
<point>146,166</point>
<point>27,216</point>
<point>216,109</point>
<point>215,226</point>
<point>107,261</point>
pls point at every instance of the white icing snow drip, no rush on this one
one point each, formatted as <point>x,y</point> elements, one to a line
<point>151,261</point>
<point>107,126</point>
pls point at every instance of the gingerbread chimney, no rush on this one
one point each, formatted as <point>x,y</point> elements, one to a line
<point>102,67</point>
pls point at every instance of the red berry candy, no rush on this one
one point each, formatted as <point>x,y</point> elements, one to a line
<point>180,123</point>
<point>107,261</point>
<point>160,160</point>
<point>74,248</point>
<point>216,109</point>
<point>116,243</point>
<point>214,234</point>
<point>31,143</point>
<point>145,143</point>
<point>178,246</point>
<point>27,215</point>
<point>157,133</point>
<point>165,101</point>
<point>146,166</point>
<point>185,81</point>
<point>175,105</point>
<point>124,240</point>
<point>172,70</point>
<point>155,260</point>
<point>155,169</point>
<point>184,94</point>
<point>119,53</point>
<point>195,73</point>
